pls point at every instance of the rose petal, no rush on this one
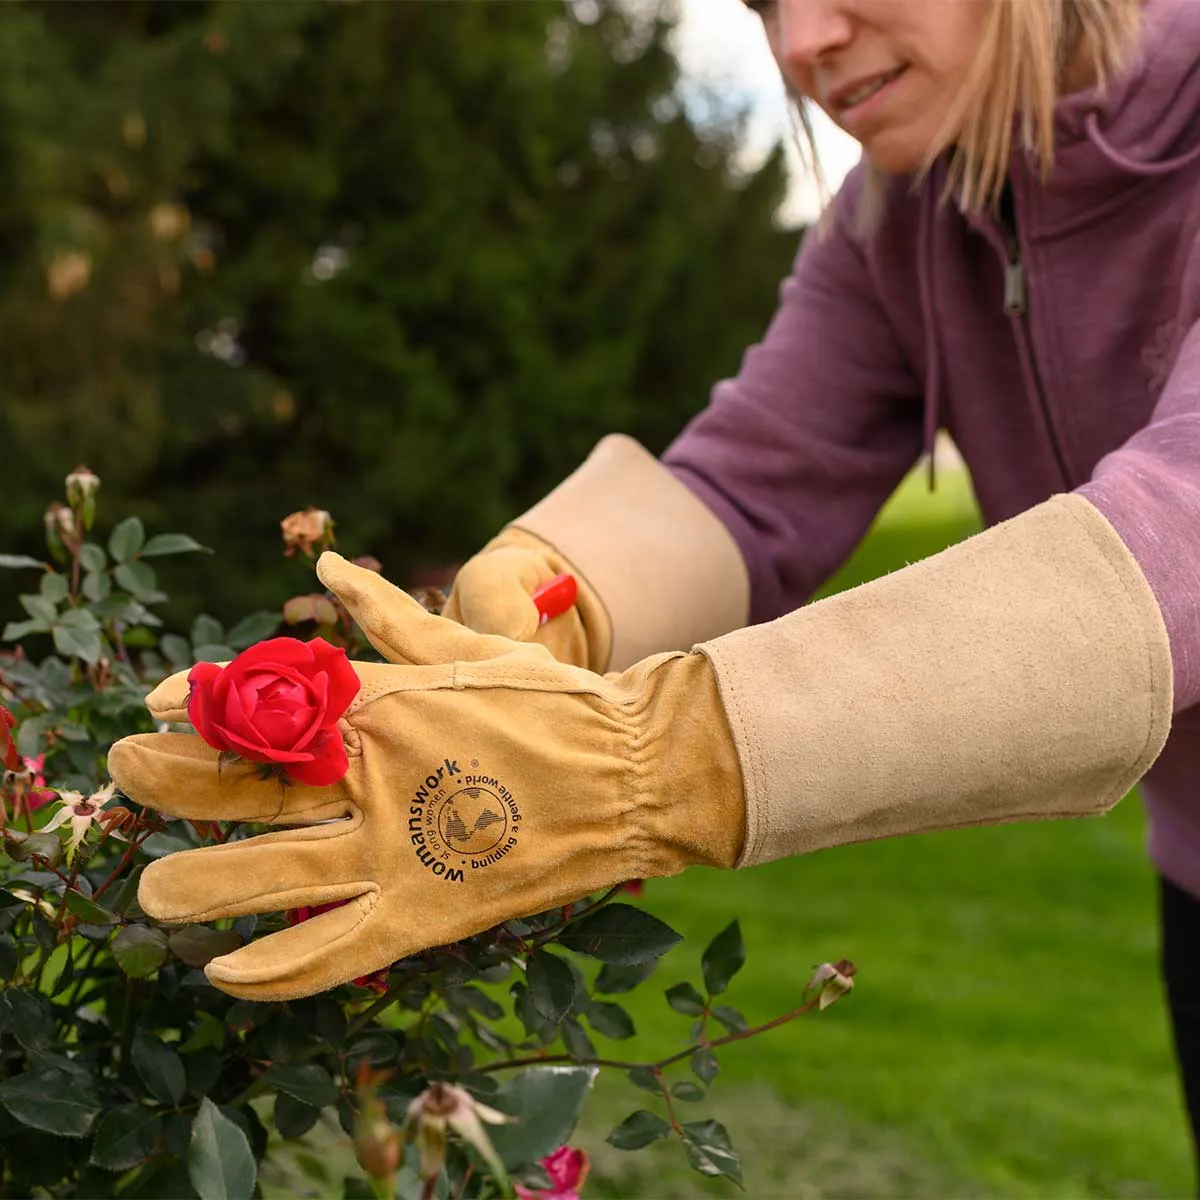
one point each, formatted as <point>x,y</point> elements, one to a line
<point>320,720</point>
<point>201,681</point>
<point>285,730</point>
<point>277,652</point>
<point>260,752</point>
<point>344,682</point>
<point>328,762</point>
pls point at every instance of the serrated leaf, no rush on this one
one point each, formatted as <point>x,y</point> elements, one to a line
<point>710,1151</point>
<point>140,950</point>
<point>704,1064</point>
<point>644,1078</point>
<point>137,578</point>
<point>160,1068</point>
<point>614,979</point>
<point>684,998</point>
<point>39,608</point>
<point>171,543</point>
<point>547,1102</point>
<point>16,562</point>
<point>723,958</point>
<point>197,945</point>
<point>206,630</point>
<point>54,587</point>
<point>254,628</point>
<point>220,1163</point>
<point>27,1017</point>
<point>177,650</point>
<point>125,1136</point>
<point>687,1091</point>
<point>88,911</point>
<point>637,1130</point>
<point>213,652</point>
<point>610,1020</point>
<point>96,586</point>
<point>294,1118</point>
<point>127,539</point>
<point>306,1081</point>
<point>92,557</point>
<point>729,1017</point>
<point>551,985</point>
<point>576,1040</point>
<point>208,1032</point>
<point>53,1101</point>
<point>620,933</point>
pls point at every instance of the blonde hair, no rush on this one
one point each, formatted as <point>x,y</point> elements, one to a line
<point>1029,53</point>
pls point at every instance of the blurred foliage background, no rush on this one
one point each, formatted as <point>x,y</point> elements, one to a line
<point>406,262</point>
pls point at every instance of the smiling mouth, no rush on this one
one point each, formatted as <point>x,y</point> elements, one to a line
<point>863,93</point>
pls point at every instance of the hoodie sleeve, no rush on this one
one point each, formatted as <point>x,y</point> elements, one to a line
<point>1149,489</point>
<point>800,450</point>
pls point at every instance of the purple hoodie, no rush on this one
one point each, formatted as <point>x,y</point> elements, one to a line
<point>1059,348</point>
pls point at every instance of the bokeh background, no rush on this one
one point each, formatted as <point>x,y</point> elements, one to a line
<point>407,261</point>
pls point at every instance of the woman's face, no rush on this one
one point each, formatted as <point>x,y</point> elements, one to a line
<point>885,71</point>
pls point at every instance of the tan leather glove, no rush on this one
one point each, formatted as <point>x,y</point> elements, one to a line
<point>486,781</point>
<point>656,568</point>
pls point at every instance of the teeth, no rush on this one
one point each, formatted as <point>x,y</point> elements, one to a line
<point>867,90</point>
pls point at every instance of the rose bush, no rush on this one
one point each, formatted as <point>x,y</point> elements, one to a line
<point>461,1071</point>
<point>278,703</point>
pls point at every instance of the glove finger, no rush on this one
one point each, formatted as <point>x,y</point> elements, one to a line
<point>308,958</point>
<point>398,627</point>
<point>493,593</point>
<point>178,774</point>
<point>271,873</point>
<point>168,701</point>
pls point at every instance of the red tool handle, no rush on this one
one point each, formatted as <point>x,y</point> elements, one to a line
<point>555,597</point>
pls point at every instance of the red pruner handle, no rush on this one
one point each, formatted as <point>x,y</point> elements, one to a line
<point>555,597</point>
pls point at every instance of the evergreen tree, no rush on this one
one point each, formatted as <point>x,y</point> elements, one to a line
<point>405,262</point>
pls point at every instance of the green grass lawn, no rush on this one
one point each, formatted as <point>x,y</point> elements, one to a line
<point>1006,1037</point>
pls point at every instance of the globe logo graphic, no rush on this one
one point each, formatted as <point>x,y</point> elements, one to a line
<point>473,821</point>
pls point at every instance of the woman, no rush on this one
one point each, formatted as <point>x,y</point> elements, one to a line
<point>1016,260</point>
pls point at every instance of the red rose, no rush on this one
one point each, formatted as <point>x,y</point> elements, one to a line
<point>9,758</point>
<point>278,702</point>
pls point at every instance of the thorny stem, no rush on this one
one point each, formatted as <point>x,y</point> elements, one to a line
<point>462,1183</point>
<point>704,1043</point>
<point>124,862</point>
<point>666,1095</point>
<point>570,913</point>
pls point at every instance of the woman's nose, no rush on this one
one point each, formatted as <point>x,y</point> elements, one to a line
<point>811,29</point>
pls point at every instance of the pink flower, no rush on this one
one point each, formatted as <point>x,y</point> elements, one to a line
<point>567,1168</point>
<point>635,887</point>
<point>39,793</point>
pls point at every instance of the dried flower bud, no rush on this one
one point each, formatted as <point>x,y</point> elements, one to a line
<point>61,531</point>
<point>830,982</point>
<point>82,485</point>
<point>168,222</point>
<point>305,530</point>
<point>69,272</point>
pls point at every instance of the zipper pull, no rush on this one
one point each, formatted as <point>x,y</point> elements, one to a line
<point>1014,287</point>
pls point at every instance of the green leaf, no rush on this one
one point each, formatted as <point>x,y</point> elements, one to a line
<point>16,562</point>
<point>644,1078</point>
<point>14,631</point>
<point>220,1163</point>
<point>614,979</point>
<point>294,1118</point>
<point>547,1102</point>
<point>127,539</point>
<point>684,998</point>
<point>171,543</point>
<point>39,608</point>
<point>723,958</point>
<point>88,911</point>
<point>637,1130</point>
<point>620,933</point>
<point>140,950</point>
<point>27,1017</point>
<point>704,1064</point>
<point>254,628</point>
<point>610,1020</point>
<point>21,847</point>
<point>551,985</point>
<point>92,557</point>
<point>54,587</point>
<point>688,1091</point>
<point>137,578</point>
<point>77,635</point>
<point>729,1017</point>
<point>209,1031</point>
<point>710,1151</point>
<point>125,1137</point>
<point>213,652</point>
<point>160,1067</point>
<point>576,1040</point>
<point>308,1082</point>
<point>53,1101</point>
<point>207,630</point>
<point>177,650</point>
<point>96,586</point>
<point>197,945</point>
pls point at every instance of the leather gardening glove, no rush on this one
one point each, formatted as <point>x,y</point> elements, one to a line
<point>486,781</point>
<point>657,570</point>
<point>493,592</point>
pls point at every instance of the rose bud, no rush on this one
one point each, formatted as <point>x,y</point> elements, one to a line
<point>82,486</point>
<point>305,530</point>
<point>278,703</point>
<point>832,981</point>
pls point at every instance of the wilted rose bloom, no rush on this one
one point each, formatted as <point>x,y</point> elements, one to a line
<point>304,530</point>
<point>567,1168</point>
<point>443,1106</point>
<point>831,981</point>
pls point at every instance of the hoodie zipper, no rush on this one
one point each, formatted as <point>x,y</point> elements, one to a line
<point>1016,307</point>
